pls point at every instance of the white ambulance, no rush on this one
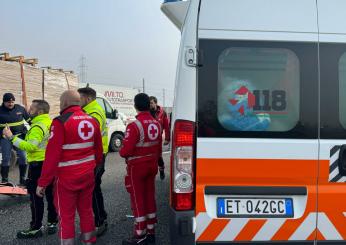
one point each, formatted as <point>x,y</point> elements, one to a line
<point>259,122</point>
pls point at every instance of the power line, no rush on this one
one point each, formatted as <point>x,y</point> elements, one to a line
<point>143,85</point>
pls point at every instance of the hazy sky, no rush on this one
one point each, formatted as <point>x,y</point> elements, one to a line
<point>123,41</point>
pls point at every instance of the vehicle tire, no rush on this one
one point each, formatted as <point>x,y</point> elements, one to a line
<point>116,142</point>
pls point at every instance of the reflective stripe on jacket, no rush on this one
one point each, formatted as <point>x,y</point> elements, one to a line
<point>143,140</point>
<point>14,118</point>
<point>74,147</point>
<point>36,139</point>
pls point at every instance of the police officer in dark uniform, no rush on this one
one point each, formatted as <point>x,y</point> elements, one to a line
<point>12,116</point>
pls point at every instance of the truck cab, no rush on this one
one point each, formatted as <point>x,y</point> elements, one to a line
<point>259,122</point>
<point>116,127</point>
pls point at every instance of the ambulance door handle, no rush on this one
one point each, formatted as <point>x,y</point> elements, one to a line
<point>342,160</point>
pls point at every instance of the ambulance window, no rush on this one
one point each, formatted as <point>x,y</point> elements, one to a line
<point>258,89</point>
<point>342,90</point>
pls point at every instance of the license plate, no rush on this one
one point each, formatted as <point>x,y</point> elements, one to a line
<point>254,207</point>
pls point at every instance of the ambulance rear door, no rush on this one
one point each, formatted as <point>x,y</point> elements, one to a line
<point>332,170</point>
<point>257,136</point>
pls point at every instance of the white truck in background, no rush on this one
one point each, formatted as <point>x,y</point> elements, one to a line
<point>120,98</point>
<point>116,127</point>
<point>119,107</point>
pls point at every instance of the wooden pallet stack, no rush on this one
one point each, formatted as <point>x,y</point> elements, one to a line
<point>27,82</point>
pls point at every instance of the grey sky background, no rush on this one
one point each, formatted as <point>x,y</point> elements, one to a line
<point>123,40</point>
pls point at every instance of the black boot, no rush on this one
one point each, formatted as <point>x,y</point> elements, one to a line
<point>22,173</point>
<point>30,233</point>
<point>162,174</point>
<point>52,228</point>
<point>151,239</point>
<point>4,173</point>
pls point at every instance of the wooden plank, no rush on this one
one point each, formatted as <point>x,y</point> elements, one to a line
<point>55,83</point>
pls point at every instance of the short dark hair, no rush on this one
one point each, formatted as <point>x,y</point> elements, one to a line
<point>142,102</point>
<point>153,98</point>
<point>89,92</point>
<point>42,105</point>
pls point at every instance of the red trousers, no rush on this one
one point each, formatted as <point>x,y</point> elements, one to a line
<point>72,195</point>
<point>140,183</point>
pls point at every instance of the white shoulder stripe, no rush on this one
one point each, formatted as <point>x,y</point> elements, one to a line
<point>141,132</point>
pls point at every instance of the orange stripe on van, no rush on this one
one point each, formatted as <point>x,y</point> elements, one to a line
<point>250,230</point>
<point>200,207</point>
<point>255,172</point>
<point>287,229</point>
<point>259,171</point>
<point>339,222</point>
<point>291,225</point>
<point>318,235</point>
<point>214,229</point>
<point>332,202</point>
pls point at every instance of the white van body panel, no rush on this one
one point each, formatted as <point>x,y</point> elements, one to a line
<point>258,15</point>
<point>310,24</point>
<point>331,19</point>
<point>279,149</point>
<point>257,35</point>
<point>331,15</point>
<point>113,125</point>
<point>185,85</point>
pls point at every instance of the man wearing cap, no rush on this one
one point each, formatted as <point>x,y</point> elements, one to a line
<point>13,116</point>
<point>34,144</point>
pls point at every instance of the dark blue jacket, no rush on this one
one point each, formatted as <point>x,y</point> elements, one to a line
<point>14,117</point>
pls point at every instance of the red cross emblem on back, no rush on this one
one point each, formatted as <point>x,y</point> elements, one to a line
<point>153,132</point>
<point>85,130</point>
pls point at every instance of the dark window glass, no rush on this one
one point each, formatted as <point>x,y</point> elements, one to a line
<point>257,89</point>
<point>333,90</point>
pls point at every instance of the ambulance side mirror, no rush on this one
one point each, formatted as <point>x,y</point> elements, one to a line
<point>115,115</point>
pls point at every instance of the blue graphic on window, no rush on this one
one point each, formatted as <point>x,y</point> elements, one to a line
<point>237,114</point>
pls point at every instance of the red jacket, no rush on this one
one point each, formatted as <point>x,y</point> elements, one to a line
<point>143,140</point>
<point>161,116</point>
<point>74,147</point>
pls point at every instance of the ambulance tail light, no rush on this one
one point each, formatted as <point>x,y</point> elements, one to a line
<point>183,161</point>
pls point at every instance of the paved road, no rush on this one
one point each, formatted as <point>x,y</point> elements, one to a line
<point>15,212</point>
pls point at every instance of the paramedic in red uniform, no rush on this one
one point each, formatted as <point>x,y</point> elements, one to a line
<point>73,150</point>
<point>141,149</point>
<point>160,115</point>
